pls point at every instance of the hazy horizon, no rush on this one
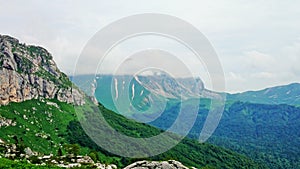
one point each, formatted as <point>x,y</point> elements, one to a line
<point>234,92</point>
<point>258,43</point>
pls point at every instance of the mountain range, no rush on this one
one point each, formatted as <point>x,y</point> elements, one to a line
<point>285,94</point>
<point>263,125</point>
<point>38,121</point>
<point>258,129</point>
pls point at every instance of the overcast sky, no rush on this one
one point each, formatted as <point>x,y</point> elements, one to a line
<point>258,42</point>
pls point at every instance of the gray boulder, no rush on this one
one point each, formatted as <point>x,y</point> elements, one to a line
<point>171,164</point>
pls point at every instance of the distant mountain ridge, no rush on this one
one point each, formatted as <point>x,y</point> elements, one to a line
<point>261,124</point>
<point>175,88</point>
<point>141,90</point>
<point>187,88</point>
<point>285,94</point>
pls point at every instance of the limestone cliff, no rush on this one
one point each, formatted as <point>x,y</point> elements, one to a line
<point>29,72</point>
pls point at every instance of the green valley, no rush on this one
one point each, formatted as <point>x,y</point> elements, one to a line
<point>47,125</point>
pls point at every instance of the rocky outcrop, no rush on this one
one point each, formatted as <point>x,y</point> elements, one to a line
<point>175,88</point>
<point>29,72</point>
<point>171,164</point>
<point>6,122</point>
<point>13,151</point>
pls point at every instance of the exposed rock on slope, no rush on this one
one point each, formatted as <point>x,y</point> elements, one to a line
<point>171,164</point>
<point>28,72</point>
<point>174,88</point>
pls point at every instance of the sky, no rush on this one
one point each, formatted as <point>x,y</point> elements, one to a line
<point>257,42</point>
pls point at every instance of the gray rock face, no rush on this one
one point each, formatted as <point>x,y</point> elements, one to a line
<point>171,164</point>
<point>28,152</point>
<point>182,88</point>
<point>28,72</point>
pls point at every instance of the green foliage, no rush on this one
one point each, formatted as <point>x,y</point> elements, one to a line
<point>23,164</point>
<point>72,149</point>
<point>94,156</point>
<point>265,133</point>
<point>35,51</point>
<point>268,133</point>
<point>24,65</point>
<point>41,127</point>
<point>45,128</point>
<point>64,81</point>
<point>189,152</point>
<point>34,160</point>
<point>59,152</point>
<point>1,59</point>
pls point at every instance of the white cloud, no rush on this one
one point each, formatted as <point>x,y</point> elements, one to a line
<point>255,40</point>
<point>259,60</point>
<point>258,70</point>
<point>263,75</point>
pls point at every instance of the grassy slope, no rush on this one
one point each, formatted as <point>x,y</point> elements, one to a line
<point>9,164</point>
<point>41,126</point>
<point>189,152</point>
<point>265,133</point>
<point>286,94</point>
<point>57,123</point>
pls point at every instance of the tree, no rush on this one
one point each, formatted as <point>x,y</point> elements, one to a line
<point>20,146</point>
<point>72,149</point>
<point>59,152</point>
<point>94,156</point>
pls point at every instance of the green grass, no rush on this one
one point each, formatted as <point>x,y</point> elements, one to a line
<point>36,119</point>
<point>188,151</point>
<point>23,164</point>
<point>65,129</point>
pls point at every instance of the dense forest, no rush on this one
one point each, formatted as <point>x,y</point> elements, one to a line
<point>50,126</point>
<point>266,133</point>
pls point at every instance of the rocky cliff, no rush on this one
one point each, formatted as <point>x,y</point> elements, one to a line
<point>29,72</point>
<point>182,88</point>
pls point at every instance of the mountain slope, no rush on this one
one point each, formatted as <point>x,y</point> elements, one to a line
<point>287,94</point>
<point>264,128</point>
<point>189,152</point>
<point>268,133</point>
<point>47,125</point>
<point>146,94</point>
<point>41,124</point>
<point>37,111</point>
